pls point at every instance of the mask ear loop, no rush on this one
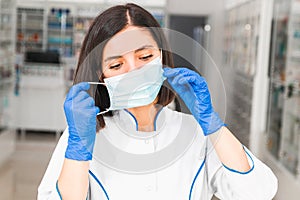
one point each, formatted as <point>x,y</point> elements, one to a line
<point>96,83</point>
<point>105,111</point>
<point>99,83</point>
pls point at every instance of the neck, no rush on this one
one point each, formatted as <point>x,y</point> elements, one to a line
<point>145,116</point>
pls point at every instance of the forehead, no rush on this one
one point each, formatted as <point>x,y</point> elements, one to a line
<point>129,39</point>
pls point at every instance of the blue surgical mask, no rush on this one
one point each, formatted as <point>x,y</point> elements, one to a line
<point>136,88</point>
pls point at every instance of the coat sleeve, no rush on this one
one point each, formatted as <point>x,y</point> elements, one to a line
<point>48,189</point>
<point>258,183</point>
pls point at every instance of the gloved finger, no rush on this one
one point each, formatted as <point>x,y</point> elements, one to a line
<point>86,103</point>
<point>188,72</point>
<point>171,72</point>
<point>89,113</point>
<point>96,109</point>
<point>178,77</point>
<point>92,111</point>
<point>191,76</point>
<point>186,80</point>
<point>75,89</point>
<point>199,88</point>
<point>75,101</point>
<point>80,97</point>
<point>197,81</point>
<point>178,88</point>
<point>182,72</point>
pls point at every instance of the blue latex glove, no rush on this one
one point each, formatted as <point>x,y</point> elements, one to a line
<point>81,112</point>
<point>193,90</point>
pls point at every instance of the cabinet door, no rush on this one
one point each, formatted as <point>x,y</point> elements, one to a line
<point>278,53</point>
<point>284,99</point>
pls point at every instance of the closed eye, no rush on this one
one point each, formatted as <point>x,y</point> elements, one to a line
<point>146,57</point>
<point>115,66</point>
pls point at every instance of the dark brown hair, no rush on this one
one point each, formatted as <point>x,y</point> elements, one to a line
<point>105,26</point>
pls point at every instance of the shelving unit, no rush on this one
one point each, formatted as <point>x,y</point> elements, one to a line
<point>7,18</point>
<point>241,36</point>
<point>60,28</point>
<point>39,29</point>
<point>60,32</point>
<point>7,48</point>
<point>239,58</point>
<point>277,71</point>
<point>284,103</point>
<point>159,15</point>
<point>6,42</point>
<point>82,24</point>
<point>30,30</point>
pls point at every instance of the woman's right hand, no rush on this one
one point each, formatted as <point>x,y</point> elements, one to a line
<point>81,113</point>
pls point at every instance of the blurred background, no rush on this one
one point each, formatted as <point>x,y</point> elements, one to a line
<point>254,43</point>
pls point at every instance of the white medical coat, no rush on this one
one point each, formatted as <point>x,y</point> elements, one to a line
<point>196,173</point>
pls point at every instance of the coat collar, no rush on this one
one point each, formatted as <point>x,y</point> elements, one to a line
<point>127,123</point>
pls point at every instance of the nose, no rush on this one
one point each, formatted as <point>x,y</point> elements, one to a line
<point>130,63</point>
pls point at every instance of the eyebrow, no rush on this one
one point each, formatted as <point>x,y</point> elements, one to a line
<point>137,50</point>
<point>144,47</point>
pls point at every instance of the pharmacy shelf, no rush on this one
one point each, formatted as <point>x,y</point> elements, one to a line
<point>60,33</point>
<point>283,133</point>
<point>30,29</point>
<point>241,35</point>
<point>6,42</point>
<point>7,49</point>
<point>81,26</point>
<point>287,76</point>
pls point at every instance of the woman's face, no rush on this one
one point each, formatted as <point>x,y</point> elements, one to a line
<point>129,49</point>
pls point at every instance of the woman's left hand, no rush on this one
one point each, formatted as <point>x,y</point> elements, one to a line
<point>193,90</point>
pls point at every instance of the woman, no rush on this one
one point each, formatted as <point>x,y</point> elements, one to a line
<point>156,153</point>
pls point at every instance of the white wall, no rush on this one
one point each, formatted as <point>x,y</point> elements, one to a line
<point>154,3</point>
<point>233,3</point>
<point>193,7</point>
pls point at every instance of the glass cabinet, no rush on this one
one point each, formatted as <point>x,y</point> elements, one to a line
<point>30,32</point>
<point>284,98</point>
<point>241,36</point>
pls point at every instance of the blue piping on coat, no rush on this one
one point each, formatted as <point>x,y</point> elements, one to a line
<point>195,178</point>
<point>97,180</point>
